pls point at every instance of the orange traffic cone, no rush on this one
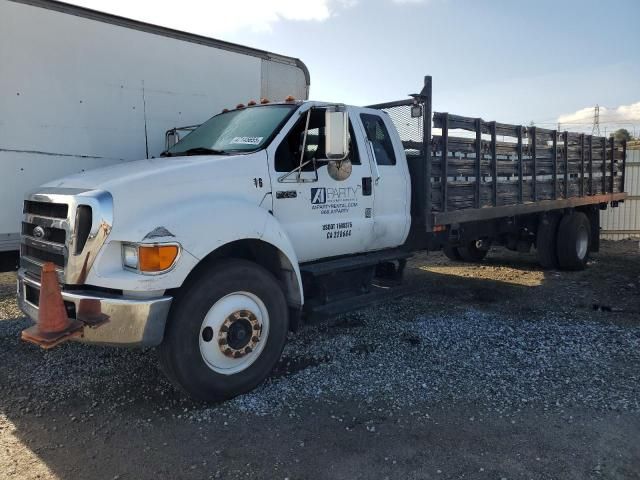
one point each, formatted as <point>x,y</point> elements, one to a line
<point>90,312</point>
<point>53,326</point>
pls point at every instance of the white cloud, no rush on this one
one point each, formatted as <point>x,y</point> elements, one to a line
<point>220,16</point>
<point>622,114</point>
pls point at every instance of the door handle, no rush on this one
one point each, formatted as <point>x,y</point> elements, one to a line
<point>366,186</point>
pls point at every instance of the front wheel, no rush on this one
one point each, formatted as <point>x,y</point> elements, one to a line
<point>225,332</point>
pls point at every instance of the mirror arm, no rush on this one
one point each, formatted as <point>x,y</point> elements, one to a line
<point>374,165</point>
<point>297,170</point>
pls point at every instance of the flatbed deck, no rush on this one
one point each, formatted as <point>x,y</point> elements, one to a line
<point>466,169</point>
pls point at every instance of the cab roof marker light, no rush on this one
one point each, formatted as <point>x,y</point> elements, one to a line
<point>251,103</point>
<point>264,101</point>
<point>290,98</point>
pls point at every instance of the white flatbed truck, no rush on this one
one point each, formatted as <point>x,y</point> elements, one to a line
<point>270,212</point>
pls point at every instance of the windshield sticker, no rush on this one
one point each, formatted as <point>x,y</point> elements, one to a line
<point>246,140</point>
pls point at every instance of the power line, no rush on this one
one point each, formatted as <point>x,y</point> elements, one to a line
<point>611,122</point>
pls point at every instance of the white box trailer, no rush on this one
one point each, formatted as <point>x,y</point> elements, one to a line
<point>83,89</point>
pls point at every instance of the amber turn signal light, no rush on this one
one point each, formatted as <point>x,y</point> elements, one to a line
<point>156,258</point>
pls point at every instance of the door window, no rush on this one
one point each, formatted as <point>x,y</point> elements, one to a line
<point>378,135</point>
<point>288,152</point>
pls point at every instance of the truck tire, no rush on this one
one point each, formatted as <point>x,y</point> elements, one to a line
<point>470,252</point>
<point>225,331</point>
<point>574,241</point>
<point>452,253</point>
<point>546,242</point>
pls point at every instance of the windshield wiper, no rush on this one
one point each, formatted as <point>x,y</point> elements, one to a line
<point>201,151</point>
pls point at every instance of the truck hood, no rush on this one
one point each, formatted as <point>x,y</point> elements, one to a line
<point>142,188</point>
<point>160,172</point>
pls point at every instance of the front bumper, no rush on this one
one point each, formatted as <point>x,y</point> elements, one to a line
<point>132,321</point>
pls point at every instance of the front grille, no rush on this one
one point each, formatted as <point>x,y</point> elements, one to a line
<point>42,255</point>
<point>57,227</point>
<point>44,236</point>
<point>46,209</point>
<point>51,234</point>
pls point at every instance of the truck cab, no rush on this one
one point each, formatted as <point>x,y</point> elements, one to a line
<point>211,250</point>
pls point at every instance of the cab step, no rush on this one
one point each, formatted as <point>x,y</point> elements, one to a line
<point>353,262</point>
<point>316,313</point>
<point>329,285</point>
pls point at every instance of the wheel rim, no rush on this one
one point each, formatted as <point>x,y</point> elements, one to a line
<point>582,243</point>
<point>234,332</point>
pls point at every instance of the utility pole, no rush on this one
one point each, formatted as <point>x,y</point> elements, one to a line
<point>596,121</point>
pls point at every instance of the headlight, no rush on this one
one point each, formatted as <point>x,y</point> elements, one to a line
<point>149,258</point>
<point>130,256</point>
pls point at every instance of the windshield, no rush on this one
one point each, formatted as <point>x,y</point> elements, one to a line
<point>243,130</point>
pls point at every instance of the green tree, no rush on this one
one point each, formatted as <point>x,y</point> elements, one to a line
<point>621,134</point>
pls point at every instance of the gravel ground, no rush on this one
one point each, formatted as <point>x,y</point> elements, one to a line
<point>498,370</point>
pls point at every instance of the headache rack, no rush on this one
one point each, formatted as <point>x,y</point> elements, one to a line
<point>475,170</point>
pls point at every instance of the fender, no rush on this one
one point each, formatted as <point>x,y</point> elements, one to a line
<point>200,226</point>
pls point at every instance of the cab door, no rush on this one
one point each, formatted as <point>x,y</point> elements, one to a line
<point>391,181</point>
<point>326,207</point>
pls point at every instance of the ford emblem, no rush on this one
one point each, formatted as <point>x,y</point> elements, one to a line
<point>38,232</point>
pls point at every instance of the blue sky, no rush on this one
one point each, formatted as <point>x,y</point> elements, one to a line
<point>503,60</point>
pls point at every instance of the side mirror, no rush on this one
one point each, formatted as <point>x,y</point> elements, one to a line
<point>336,132</point>
<point>171,137</point>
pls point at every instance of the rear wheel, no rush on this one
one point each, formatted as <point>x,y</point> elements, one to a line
<point>546,241</point>
<point>452,253</point>
<point>472,252</point>
<point>574,241</point>
<point>225,332</point>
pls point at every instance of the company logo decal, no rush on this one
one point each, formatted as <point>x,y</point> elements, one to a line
<point>330,200</point>
<point>318,196</point>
